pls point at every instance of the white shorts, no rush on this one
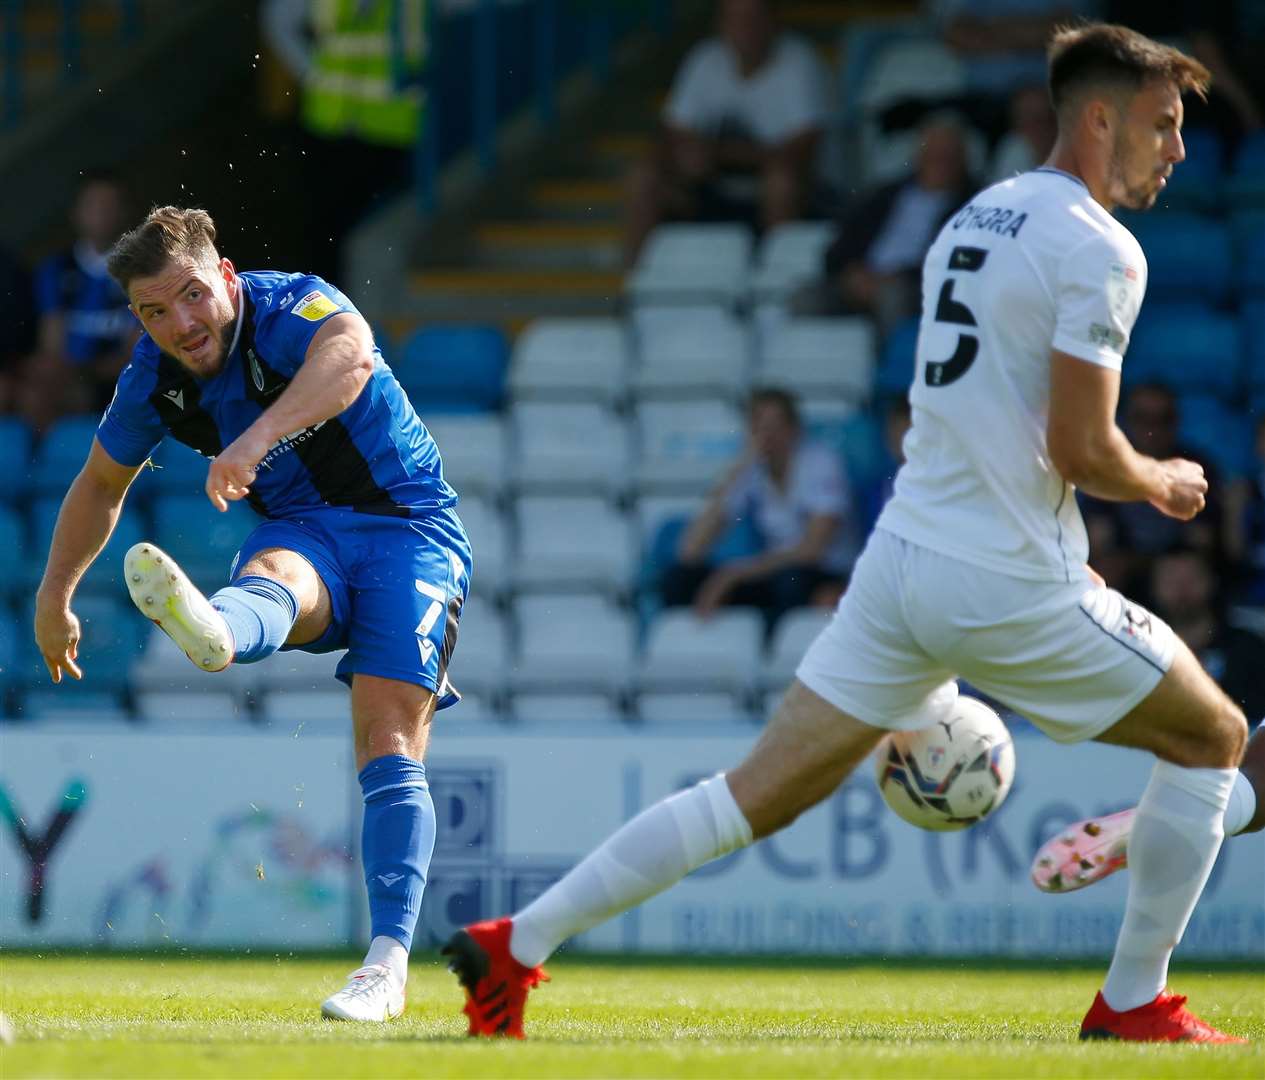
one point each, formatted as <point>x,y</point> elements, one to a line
<point>1073,658</point>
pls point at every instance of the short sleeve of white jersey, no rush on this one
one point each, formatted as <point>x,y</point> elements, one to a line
<point>1100,287</point>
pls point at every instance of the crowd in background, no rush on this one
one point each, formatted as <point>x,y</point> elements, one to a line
<point>745,136</point>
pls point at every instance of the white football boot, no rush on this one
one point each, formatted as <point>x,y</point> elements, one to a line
<point>369,996</point>
<point>165,594</point>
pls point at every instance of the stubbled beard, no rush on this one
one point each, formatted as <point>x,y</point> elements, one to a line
<point>1134,198</point>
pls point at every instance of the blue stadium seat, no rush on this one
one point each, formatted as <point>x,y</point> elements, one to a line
<point>1250,264</point>
<point>1189,349</point>
<point>1196,182</point>
<point>105,576</point>
<point>10,649</point>
<point>15,452</point>
<point>457,369</point>
<point>201,539</point>
<point>61,454</point>
<point>112,633</point>
<point>1252,327</point>
<point>13,544</point>
<point>1188,257</point>
<point>1245,187</point>
<point>896,363</point>
<point>177,470</point>
<point>1224,434</point>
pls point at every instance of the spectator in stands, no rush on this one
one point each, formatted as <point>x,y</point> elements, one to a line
<point>1184,594</point>
<point>85,331</point>
<point>17,332</point>
<point>1151,421</point>
<point>794,494</point>
<point>874,264</point>
<point>1245,527</point>
<point>742,129</point>
<point>1031,135</point>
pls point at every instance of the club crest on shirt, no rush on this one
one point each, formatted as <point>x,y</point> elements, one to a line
<point>314,307</point>
<point>256,372</point>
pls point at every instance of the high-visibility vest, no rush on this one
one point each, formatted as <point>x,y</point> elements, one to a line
<point>350,90</point>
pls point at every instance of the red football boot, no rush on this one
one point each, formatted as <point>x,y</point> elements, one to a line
<point>496,984</point>
<point>1166,1019</point>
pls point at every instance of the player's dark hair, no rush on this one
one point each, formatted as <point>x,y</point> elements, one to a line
<point>167,232</point>
<point>775,395</point>
<point>1104,55</point>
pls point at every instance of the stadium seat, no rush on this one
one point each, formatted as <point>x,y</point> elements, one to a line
<point>473,710</point>
<point>73,703</point>
<point>1196,183</point>
<point>1245,187</point>
<point>572,544</point>
<point>571,360</point>
<point>61,454</point>
<point>474,452</point>
<point>683,447</point>
<point>13,581</point>
<point>577,713</point>
<point>1251,320</point>
<point>790,256</point>
<point>572,644</point>
<point>307,711</point>
<point>692,264</point>
<point>820,358</point>
<point>794,632</point>
<point>201,538</point>
<point>1223,434</point>
<point>683,710</point>
<point>15,452</point>
<point>1188,258</point>
<point>1250,263</point>
<point>490,543</point>
<point>202,710</point>
<point>111,633</point>
<point>295,671</point>
<point>177,470</point>
<point>105,576</point>
<point>1191,350</point>
<point>569,449</point>
<point>454,369</point>
<point>691,353</point>
<point>684,653</point>
<point>897,362</point>
<point>161,668</point>
<point>482,655</point>
<point>12,646</point>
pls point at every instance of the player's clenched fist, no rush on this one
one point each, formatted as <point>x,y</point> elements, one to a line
<point>1186,491</point>
<point>57,635</point>
<point>232,472</point>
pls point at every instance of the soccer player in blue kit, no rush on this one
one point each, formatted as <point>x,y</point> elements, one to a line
<point>275,378</point>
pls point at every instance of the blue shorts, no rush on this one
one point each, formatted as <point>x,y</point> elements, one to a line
<point>396,586</point>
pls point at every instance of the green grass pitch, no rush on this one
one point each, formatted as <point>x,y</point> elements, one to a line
<point>165,1016</point>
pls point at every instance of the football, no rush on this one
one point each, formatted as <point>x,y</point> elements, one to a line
<point>950,775</point>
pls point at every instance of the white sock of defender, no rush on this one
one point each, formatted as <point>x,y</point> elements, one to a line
<point>652,851</point>
<point>1241,808</point>
<point>390,954</point>
<point>1174,842</point>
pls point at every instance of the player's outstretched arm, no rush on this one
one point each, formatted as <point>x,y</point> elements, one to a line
<point>335,368</point>
<point>87,518</point>
<point>1089,449</point>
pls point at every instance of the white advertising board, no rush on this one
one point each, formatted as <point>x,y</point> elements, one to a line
<point>175,831</point>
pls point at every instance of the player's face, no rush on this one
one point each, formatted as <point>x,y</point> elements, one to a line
<point>1148,144</point>
<point>188,308</point>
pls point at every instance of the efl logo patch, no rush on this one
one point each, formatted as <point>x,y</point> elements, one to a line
<point>314,307</point>
<point>1105,335</point>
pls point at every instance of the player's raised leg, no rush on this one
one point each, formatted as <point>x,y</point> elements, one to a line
<point>276,599</point>
<point>807,750</point>
<point>1198,735</point>
<point>1093,849</point>
<point>392,729</point>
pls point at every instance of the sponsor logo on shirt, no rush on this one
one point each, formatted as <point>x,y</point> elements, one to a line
<point>314,307</point>
<point>1105,335</point>
<point>288,442</point>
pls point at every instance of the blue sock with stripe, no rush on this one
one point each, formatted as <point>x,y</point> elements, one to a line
<point>260,613</point>
<point>396,843</point>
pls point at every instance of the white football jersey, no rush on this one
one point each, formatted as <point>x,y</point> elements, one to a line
<point>1027,266</point>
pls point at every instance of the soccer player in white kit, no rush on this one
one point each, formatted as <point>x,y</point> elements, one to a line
<point>977,566</point>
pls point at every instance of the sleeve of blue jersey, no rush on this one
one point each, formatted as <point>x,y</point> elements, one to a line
<point>284,334</point>
<point>131,429</point>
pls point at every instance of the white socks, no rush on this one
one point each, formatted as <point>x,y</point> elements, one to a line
<point>1174,842</point>
<point>389,953</point>
<point>1241,808</point>
<point>652,851</point>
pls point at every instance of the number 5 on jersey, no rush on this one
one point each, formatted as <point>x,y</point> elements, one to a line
<point>948,310</point>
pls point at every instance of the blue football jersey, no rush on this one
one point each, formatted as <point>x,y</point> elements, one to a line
<point>375,456</point>
<point>75,287</point>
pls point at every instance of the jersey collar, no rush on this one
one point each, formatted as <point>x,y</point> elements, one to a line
<point>1059,172</point>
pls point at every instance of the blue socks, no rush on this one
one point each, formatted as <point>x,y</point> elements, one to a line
<point>259,612</point>
<point>396,843</point>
